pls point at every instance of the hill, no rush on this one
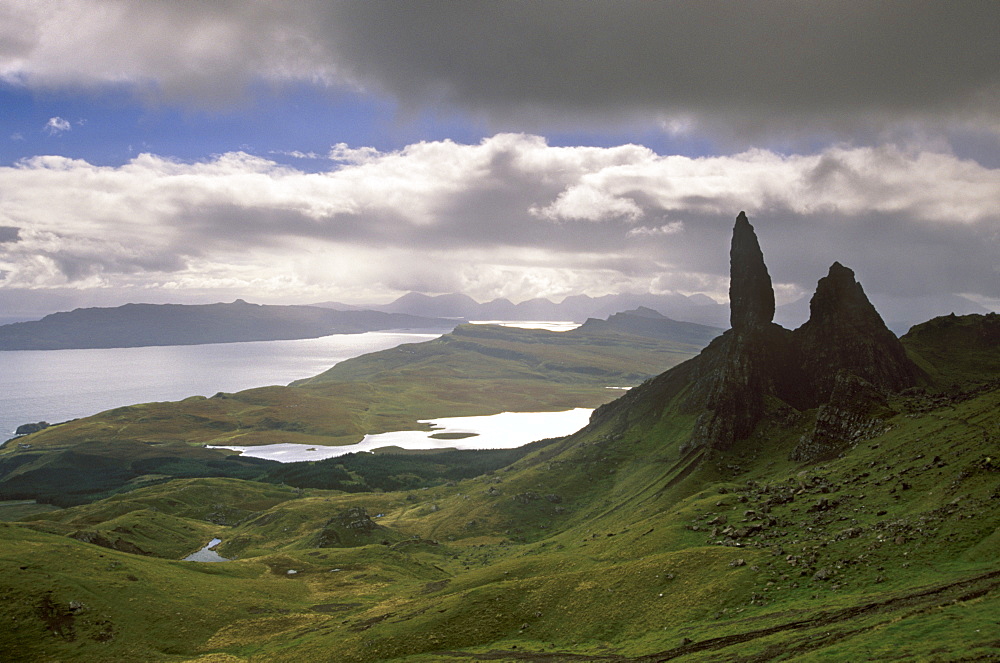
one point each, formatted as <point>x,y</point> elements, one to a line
<point>475,370</point>
<point>645,321</point>
<point>856,517</point>
<point>698,308</point>
<point>135,325</point>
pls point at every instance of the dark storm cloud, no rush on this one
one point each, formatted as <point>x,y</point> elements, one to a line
<point>9,234</point>
<point>839,63</point>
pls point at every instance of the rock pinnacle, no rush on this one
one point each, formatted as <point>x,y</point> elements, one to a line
<point>751,296</point>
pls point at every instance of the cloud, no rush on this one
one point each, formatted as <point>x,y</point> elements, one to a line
<point>56,126</point>
<point>501,217</point>
<point>671,228</point>
<point>775,66</point>
<point>296,154</point>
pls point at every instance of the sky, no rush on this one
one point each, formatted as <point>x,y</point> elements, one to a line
<point>312,151</point>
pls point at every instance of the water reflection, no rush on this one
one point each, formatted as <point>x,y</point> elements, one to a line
<point>498,431</point>
<point>207,554</point>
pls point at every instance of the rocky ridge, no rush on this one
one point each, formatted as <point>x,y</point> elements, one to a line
<point>841,362</point>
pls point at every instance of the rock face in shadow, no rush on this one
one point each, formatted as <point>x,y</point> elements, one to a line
<point>736,377</point>
<point>751,296</point>
<point>844,331</point>
<point>853,413</point>
<point>844,345</point>
<point>749,362</point>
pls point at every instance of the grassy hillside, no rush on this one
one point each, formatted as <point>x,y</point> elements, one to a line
<point>478,369</point>
<point>615,544</point>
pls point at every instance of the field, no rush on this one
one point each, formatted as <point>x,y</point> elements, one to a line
<point>614,544</point>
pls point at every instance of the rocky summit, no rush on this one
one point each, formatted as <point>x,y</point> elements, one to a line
<point>751,297</point>
<point>845,332</point>
<point>756,363</point>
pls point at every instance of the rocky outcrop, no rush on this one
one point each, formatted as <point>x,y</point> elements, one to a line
<point>98,539</point>
<point>349,528</point>
<point>737,374</point>
<point>845,332</point>
<point>751,361</point>
<point>28,429</point>
<point>855,412</point>
<point>751,297</point>
<point>843,356</point>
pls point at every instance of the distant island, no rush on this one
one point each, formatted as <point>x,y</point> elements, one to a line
<point>137,325</point>
<point>696,308</point>
<point>646,322</point>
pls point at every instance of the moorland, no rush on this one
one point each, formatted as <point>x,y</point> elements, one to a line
<point>828,493</point>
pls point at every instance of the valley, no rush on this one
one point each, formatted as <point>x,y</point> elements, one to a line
<point>830,493</point>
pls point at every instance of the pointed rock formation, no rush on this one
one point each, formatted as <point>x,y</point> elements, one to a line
<point>842,363</point>
<point>845,343</point>
<point>751,362</point>
<point>845,332</point>
<point>751,297</point>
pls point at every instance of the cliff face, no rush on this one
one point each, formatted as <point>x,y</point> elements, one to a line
<point>845,332</point>
<point>844,344</point>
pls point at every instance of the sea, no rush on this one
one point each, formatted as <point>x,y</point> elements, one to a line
<point>59,385</point>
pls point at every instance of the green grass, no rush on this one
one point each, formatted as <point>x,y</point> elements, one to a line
<point>17,509</point>
<point>906,565</point>
<point>613,544</point>
<point>476,370</point>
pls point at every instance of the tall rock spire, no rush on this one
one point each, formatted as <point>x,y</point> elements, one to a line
<point>751,297</point>
<point>844,343</point>
<point>750,361</point>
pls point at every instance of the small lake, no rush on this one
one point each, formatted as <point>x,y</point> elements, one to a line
<point>498,431</point>
<point>207,554</point>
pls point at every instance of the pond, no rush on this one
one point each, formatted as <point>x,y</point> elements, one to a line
<point>207,554</point>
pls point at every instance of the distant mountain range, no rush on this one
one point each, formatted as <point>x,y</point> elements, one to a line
<point>696,308</point>
<point>135,325</point>
<point>899,313</point>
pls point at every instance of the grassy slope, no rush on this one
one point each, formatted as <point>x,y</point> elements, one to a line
<point>476,370</point>
<point>609,545</point>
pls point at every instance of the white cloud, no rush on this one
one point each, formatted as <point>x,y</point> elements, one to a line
<point>296,154</point>
<point>56,126</point>
<point>510,215</point>
<point>589,203</point>
<point>350,155</point>
<point>671,228</point>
